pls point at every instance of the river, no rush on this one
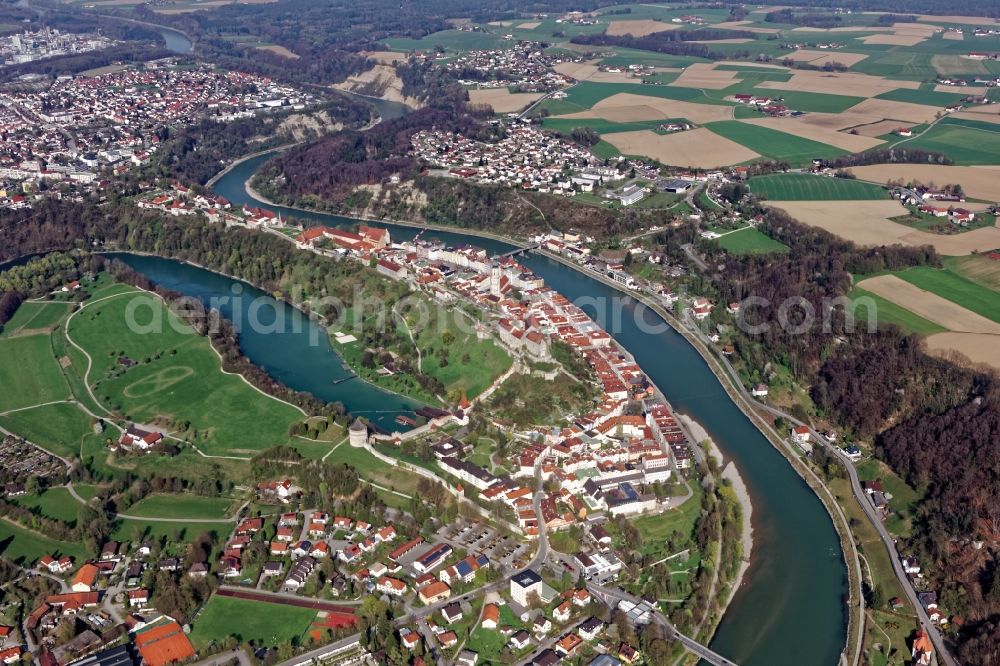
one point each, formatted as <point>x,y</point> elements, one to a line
<point>790,609</point>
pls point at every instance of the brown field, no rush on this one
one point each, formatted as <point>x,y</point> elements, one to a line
<point>839,121</point>
<point>980,111</point>
<point>952,64</point>
<point>954,36</point>
<point>849,28</point>
<point>981,270</point>
<point>385,57</point>
<point>529,25</point>
<point>992,117</point>
<point>613,77</point>
<point>695,148</point>
<point>892,110</point>
<point>639,27</point>
<point>957,20</point>
<point>756,64</point>
<point>580,71</point>
<point>894,40</point>
<point>854,143</point>
<point>702,75</point>
<point>878,129</point>
<point>978,182</point>
<point>745,25</point>
<point>930,306</point>
<point>722,41</point>
<point>979,348</point>
<point>628,107</point>
<point>868,223</point>
<point>820,58</point>
<point>961,90</point>
<point>502,100</point>
<point>280,50</point>
<point>845,83</point>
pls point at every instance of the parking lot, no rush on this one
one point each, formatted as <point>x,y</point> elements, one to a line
<point>476,537</point>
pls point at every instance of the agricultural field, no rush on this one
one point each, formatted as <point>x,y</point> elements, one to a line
<point>957,289</point>
<point>59,427</point>
<point>807,187</point>
<point>177,381</point>
<point>870,307</point>
<point>795,150</point>
<point>34,317</point>
<point>247,620</point>
<point>29,375</point>
<point>965,142</point>
<point>980,269</point>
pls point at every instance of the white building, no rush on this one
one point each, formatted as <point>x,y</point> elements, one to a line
<point>524,584</point>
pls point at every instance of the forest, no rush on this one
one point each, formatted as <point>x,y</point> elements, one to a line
<point>193,153</point>
<point>934,421</point>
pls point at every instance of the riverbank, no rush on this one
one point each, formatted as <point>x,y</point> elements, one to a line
<point>745,629</point>
<point>698,433</point>
<point>253,192</point>
<point>240,160</point>
<point>731,474</point>
<point>736,391</point>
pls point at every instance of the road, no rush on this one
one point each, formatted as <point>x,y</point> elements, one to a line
<point>860,496</point>
<point>691,645</point>
<point>226,657</point>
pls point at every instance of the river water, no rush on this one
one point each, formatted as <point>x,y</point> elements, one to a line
<point>790,609</point>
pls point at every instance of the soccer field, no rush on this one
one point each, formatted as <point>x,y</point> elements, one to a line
<point>807,187</point>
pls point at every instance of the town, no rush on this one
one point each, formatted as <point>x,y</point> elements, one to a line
<point>82,130</point>
<point>48,43</point>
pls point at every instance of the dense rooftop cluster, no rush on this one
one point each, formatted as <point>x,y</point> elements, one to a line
<point>524,156</point>
<point>77,126</point>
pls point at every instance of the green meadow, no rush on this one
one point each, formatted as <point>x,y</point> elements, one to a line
<point>771,143</point>
<point>178,380</point>
<point>807,187</point>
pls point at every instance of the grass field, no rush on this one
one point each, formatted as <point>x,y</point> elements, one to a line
<point>586,94</point>
<point>750,241</point>
<point>774,144</point>
<point>451,40</point>
<point>263,623</point>
<point>599,125</point>
<point>920,96</point>
<point>181,506</point>
<point>29,375</point>
<point>886,313</point>
<point>35,316</point>
<point>25,547</point>
<point>58,427</point>
<point>964,144</point>
<point>489,643</point>
<point>904,500</point>
<point>177,380</point>
<point>976,268</point>
<point>807,187</point>
<point>470,364</point>
<point>810,102</point>
<point>656,529</point>
<point>371,468</point>
<point>54,503</point>
<point>955,288</point>
<point>177,533</point>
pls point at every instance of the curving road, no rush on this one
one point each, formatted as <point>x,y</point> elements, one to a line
<point>691,645</point>
<point>859,495</point>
